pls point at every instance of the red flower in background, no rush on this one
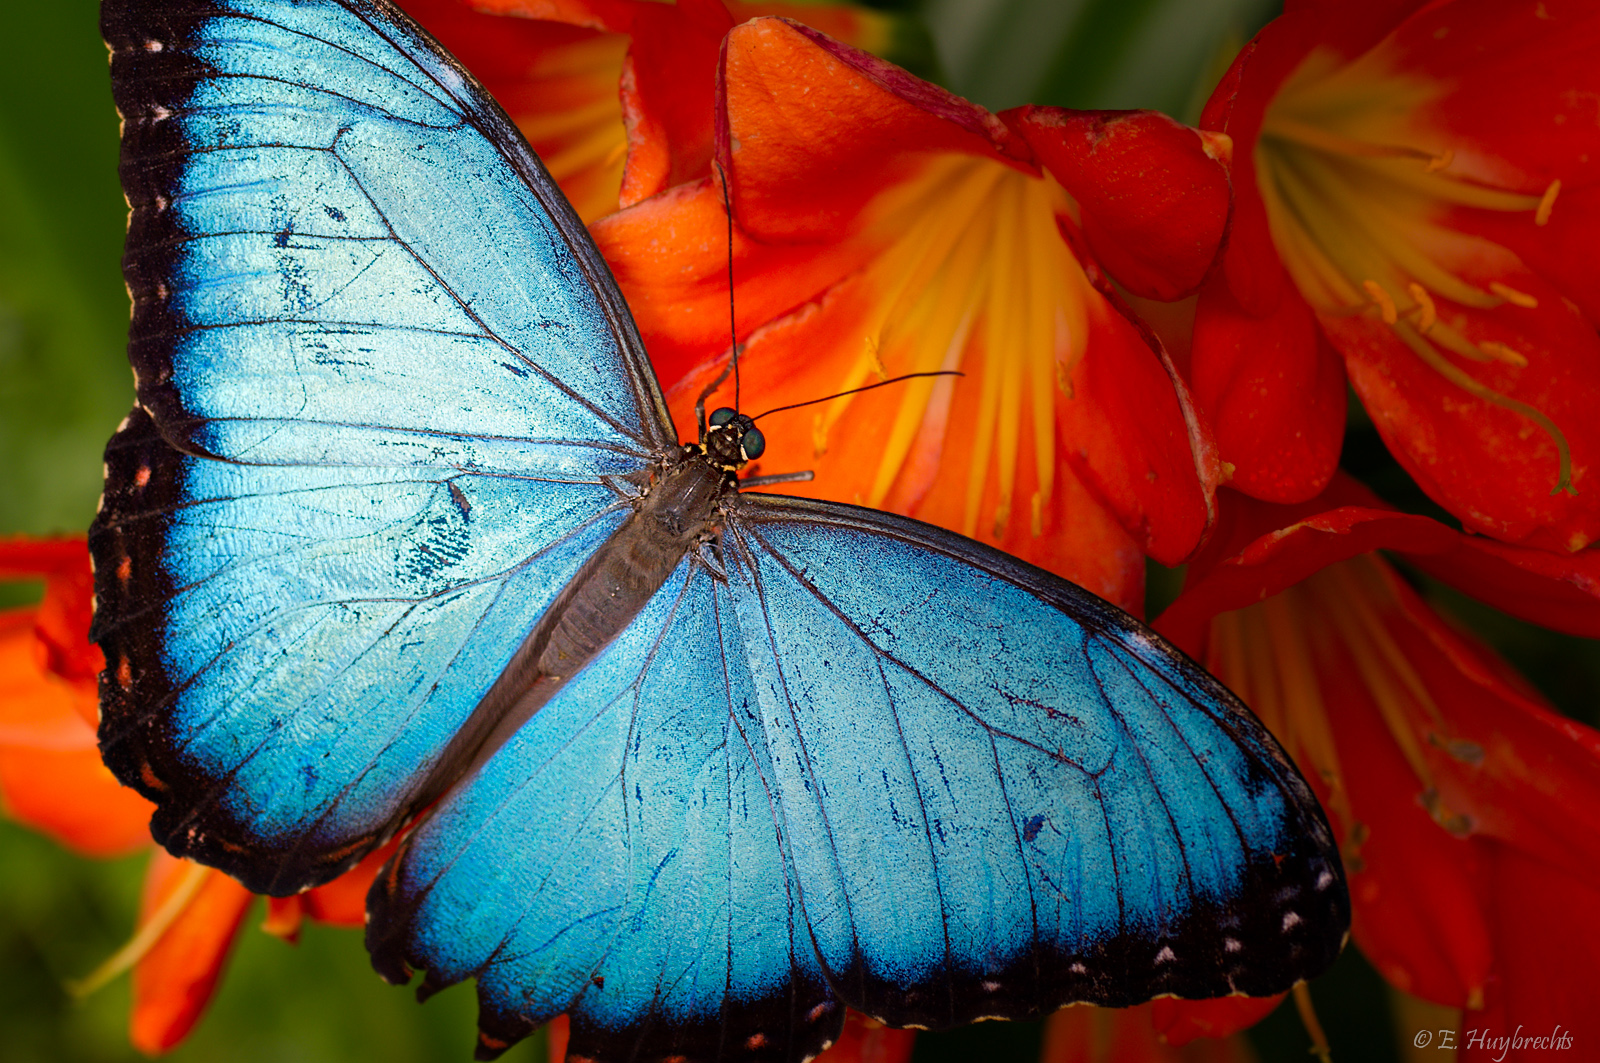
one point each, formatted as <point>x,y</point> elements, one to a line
<point>1132,1035</point>
<point>614,95</point>
<point>52,779</point>
<point>1415,185</point>
<point>1467,811</point>
<point>884,226</point>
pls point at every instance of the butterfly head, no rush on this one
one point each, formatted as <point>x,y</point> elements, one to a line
<point>732,439</point>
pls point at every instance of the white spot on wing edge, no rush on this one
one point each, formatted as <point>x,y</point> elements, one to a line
<point>1166,955</point>
<point>1232,945</point>
<point>1290,920</point>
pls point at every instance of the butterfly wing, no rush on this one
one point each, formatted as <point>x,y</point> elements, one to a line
<point>381,373</point>
<point>881,765</point>
<point>620,859</point>
<point>1001,794</point>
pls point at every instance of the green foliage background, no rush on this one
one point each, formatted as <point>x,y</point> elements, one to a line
<point>64,384</point>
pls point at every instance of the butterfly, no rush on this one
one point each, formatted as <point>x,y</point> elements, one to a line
<point>400,539</point>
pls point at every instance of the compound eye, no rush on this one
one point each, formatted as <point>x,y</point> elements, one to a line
<point>722,416</point>
<point>754,444</point>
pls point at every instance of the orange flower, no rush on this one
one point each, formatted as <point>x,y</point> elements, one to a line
<point>1468,813</point>
<point>887,227</point>
<point>1416,186</point>
<point>614,95</point>
<point>50,772</point>
<point>52,779</point>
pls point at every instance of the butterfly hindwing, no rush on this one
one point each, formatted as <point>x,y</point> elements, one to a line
<point>620,859</point>
<point>881,760</point>
<point>1002,794</point>
<point>379,388</point>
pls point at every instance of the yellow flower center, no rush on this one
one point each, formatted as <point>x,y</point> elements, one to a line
<point>1351,199</point>
<point>577,129</point>
<point>975,277</point>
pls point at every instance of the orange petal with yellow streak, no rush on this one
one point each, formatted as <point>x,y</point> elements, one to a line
<point>175,980</point>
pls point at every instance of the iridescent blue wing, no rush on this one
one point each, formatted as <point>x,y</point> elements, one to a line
<point>381,375</point>
<point>1001,793</point>
<point>881,766</point>
<point>621,859</point>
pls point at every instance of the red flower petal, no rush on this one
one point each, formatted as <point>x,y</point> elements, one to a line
<point>1177,1022</point>
<point>1273,391</point>
<point>1127,1035</point>
<point>51,777</point>
<point>68,603</point>
<point>865,1041</point>
<point>1154,193</point>
<point>1259,549</point>
<point>865,123</point>
<point>175,980</point>
<point>1129,430</point>
<point>343,902</point>
<point>668,94</point>
<point>1494,95</point>
<point>1417,913</point>
<point>1493,467</point>
<point>1545,931</point>
<point>1560,591</point>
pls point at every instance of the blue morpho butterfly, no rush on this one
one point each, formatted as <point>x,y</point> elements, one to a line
<point>400,523</point>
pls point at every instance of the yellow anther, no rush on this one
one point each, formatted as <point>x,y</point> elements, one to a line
<point>1512,296</point>
<point>1547,203</point>
<point>1038,515</point>
<point>819,436</point>
<point>1440,161</point>
<point>1427,313</point>
<point>876,359</point>
<point>1501,353</point>
<point>1384,301</point>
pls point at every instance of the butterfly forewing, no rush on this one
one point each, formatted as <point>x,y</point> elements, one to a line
<point>377,395</point>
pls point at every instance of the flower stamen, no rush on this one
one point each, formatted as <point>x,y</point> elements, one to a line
<point>1547,203</point>
<point>1512,296</point>
<point>1427,313</point>
<point>147,936</point>
<point>973,267</point>
<point>1352,215</point>
<point>1385,303</point>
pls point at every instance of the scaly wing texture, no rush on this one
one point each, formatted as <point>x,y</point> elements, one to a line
<point>620,859</point>
<point>381,372</point>
<point>882,766</point>
<point>1001,794</point>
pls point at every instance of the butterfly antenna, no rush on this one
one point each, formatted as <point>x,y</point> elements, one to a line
<point>856,391</point>
<point>733,322</point>
<point>733,325</point>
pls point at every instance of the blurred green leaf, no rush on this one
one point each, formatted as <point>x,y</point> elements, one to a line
<point>63,311</point>
<point>1096,54</point>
